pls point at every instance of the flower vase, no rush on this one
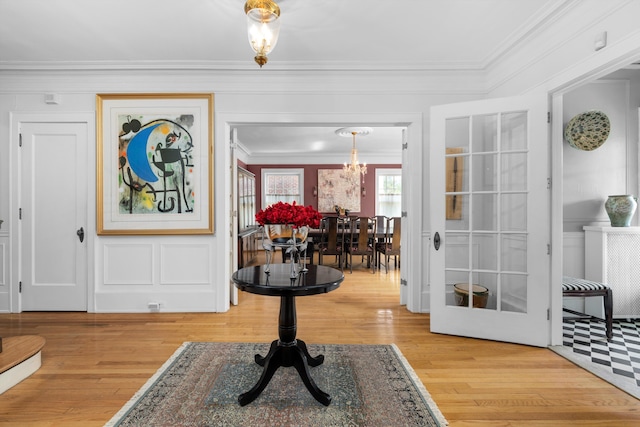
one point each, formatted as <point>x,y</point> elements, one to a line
<point>291,239</point>
<point>621,209</point>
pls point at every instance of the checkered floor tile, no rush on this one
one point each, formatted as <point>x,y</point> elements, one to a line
<point>621,355</point>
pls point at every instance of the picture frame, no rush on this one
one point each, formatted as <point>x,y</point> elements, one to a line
<point>336,189</point>
<point>154,164</point>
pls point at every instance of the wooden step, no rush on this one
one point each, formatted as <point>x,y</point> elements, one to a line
<point>20,357</point>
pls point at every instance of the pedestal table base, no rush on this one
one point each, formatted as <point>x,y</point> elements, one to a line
<point>287,354</point>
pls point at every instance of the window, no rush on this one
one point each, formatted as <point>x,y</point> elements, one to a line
<point>389,192</point>
<point>282,185</point>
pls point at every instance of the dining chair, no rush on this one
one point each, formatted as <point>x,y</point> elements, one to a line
<point>381,222</point>
<point>332,239</point>
<point>361,241</point>
<point>390,247</point>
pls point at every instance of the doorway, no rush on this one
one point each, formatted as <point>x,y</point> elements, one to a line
<point>571,212</point>
<point>411,293</point>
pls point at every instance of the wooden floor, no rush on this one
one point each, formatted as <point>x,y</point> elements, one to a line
<point>93,363</point>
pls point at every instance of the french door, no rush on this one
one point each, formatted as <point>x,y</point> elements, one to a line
<point>490,220</point>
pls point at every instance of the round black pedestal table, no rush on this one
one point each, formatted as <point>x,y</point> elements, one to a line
<point>287,350</point>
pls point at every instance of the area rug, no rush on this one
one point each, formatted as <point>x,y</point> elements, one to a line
<point>370,385</point>
<point>617,361</point>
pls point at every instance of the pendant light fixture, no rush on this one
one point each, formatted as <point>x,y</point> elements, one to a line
<point>263,27</point>
<point>353,170</point>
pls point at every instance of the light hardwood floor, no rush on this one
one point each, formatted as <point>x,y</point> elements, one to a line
<point>93,363</point>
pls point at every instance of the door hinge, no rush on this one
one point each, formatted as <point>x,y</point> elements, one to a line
<point>403,282</point>
<point>19,213</point>
<point>19,287</point>
<point>548,116</point>
<point>548,248</point>
<point>549,183</point>
<point>403,214</point>
<point>548,314</point>
<point>405,145</point>
<point>19,140</point>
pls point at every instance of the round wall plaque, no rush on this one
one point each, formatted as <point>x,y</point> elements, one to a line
<point>587,131</point>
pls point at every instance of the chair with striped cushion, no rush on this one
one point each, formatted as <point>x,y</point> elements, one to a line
<point>572,287</point>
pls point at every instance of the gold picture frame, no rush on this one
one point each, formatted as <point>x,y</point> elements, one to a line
<point>154,164</point>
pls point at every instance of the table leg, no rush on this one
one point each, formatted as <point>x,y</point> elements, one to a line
<point>313,361</point>
<point>301,365</point>
<point>287,351</point>
<point>271,363</point>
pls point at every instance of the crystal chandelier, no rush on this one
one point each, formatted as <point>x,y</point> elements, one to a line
<point>354,169</point>
<point>263,26</point>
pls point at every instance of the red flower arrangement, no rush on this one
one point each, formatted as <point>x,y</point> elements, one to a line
<point>293,214</point>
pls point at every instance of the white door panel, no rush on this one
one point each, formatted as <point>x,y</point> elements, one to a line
<point>490,212</point>
<point>53,207</point>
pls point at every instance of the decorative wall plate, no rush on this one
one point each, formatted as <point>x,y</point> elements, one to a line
<point>587,131</point>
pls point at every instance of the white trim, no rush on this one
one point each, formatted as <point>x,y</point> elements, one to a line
<point>609,60</point>
<point>412,166</point>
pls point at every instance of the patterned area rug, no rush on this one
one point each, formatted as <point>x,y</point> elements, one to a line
<point>370,385</point>
<point>617,362</point>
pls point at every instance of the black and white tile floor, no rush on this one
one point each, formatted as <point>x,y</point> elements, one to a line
<point>621,355</point>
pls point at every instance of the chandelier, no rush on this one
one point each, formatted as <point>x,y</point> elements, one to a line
<point>354,169</point>
<point>263,26</point>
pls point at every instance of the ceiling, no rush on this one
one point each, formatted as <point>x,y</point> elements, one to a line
<point>325,34</point>
<point>383,145</point>
<point>421,35</point>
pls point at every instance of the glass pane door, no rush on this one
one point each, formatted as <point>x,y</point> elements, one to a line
<point>489,270</point>
<point>486,203</point>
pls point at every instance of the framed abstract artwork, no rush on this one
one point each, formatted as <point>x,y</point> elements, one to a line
<point>336,189</point>
<point>154,164</point>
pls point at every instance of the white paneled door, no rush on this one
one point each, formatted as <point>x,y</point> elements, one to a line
<point>53,225</point>
<point>491,224</point>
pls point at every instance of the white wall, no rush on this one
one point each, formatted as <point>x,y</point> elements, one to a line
<point>127,283</point>
<point>549,60</point>
<point>591,176</point>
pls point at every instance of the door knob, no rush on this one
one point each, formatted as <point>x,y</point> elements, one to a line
<point>80,234</point>
<point>436,241</point>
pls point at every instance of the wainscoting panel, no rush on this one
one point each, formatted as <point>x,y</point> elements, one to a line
<point>573,254</point>
<point>128,264</point>
<point>156,274</point>
<point>187,264</point>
